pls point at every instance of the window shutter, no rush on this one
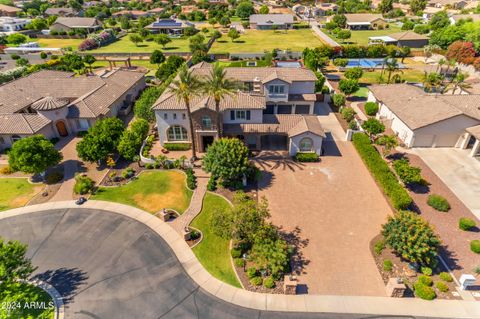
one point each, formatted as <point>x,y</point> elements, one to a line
<point>248,115</point>
<point>232,115</point>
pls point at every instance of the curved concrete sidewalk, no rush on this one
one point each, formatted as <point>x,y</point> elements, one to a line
<point>270,302</point>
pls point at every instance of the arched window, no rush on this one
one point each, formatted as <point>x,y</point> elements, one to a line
<point>206,122</point>
<point>177,133</point>
<point>306,144</point>
<point>15,138</point>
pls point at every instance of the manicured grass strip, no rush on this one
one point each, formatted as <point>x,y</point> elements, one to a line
<point>360,37</point>
<point>22,295</point>
<point>152,191</point>
<point>124,45</point>
<point>16,192</point>
<point>267,40</point>
<point>213,251</point>
<point>381,172</point>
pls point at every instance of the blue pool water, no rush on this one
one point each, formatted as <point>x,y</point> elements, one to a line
<point>368,63</point>
<point>288,64</point>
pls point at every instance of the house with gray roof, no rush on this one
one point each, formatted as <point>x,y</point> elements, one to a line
<point>422,119</point>
<point>274,110</point>
<point>58,104</point>
<point>65,24</point>
<point>169,26</point>
<point>271,21</point>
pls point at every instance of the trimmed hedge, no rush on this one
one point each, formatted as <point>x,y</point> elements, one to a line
<point>475,246</point>
<point>371,108</point>
<point>424,292</point>
<point>438,202</point>
<point>177,146</point>
<point>466,224</point>
<point>306,157</point>
<point>381,172</point>
<point>443,287</point>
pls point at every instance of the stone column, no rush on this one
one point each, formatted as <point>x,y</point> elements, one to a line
<point>476,148</point>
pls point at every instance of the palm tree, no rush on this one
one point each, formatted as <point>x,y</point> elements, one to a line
<point>440,64</point>
<point>218,86</point>
<point>432,81</point>
<point>184,88</point>
<point>389,142</point>
<point>392,67</point>
<point>458,82</point>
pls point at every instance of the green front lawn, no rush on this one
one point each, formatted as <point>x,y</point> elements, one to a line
<point>213,251</point>
<point>20,297</point>
<point>360,37</point>
<point>410,75</point>
<point>124,45</point>
<point>16,192</point>
<point>267,40</point>
<point>152,191</point>
<point>362,92</point>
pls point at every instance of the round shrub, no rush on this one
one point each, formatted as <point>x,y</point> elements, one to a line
<point>425,280</point>
<point>269,283</point>
<point>348,113</point>
<point>371,108</point>
<point>387,265</point>
<point>438,202</point>
<point>445,276</point>
<point>427,271</point>
<point>443,287</point>
<point>256,281</point>
<point>379,247</point>
<point>83,184</point>
<point>338,100</point>
<point>148,166</point>
<point>252,272</point>
<point>475,246</point>
<point>424,292</point>
<point>239,262</point>
<point>466,224</point>
<point>236,253</point>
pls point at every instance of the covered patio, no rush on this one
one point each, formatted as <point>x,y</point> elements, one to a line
<point>472,140</point>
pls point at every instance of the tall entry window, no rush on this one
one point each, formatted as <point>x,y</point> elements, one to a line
<point>177,133</point>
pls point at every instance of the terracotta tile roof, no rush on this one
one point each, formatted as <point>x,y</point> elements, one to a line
<point>239,100</point>
<point>50,103</point>
<point>22,123</point>
<point>362,17</point>
<point>290,124</point>
<point>77,22</point>
<point>418,109</point>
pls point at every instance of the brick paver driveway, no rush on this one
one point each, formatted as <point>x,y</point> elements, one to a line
<point>332,209</point>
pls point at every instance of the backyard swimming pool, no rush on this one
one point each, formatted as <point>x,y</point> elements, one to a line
<point>289,64</point>
<point>368,63</point>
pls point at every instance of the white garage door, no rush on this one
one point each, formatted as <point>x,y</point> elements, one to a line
<point>446,140</point>
<point>423,140</point>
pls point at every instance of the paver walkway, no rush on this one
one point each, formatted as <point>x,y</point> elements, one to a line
<point>70,168</point>
<point>195,206</point>
<point>359,112</point>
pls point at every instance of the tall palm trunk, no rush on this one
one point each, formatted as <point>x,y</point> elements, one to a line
<point>219,118</point>
<point>192,133</point>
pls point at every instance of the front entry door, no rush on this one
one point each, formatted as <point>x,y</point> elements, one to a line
<point>206,142</point>
<point>62,129</point>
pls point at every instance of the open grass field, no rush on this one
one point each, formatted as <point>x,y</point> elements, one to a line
<point>152,191</point>
<point>56,43</point>
<point>16,192</point>
<point>267,40</point>
<point>409,75</point>
<point>213,251</point>
<point>124,45</point>
<point>360,37</point>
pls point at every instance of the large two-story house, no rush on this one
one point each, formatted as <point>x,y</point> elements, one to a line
<point>273,111</point>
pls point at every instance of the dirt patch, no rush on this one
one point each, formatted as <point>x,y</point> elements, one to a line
<point>24,199</point>
<point>399,270</point>
<point>45,195</point>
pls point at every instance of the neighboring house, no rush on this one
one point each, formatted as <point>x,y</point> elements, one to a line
<point>169,26</point>
<point>157,11</point>
<point>320,10</point>
<point>9,11</point>
<point>401,39</point>
<point>421,119</point>
<point>61,12</point>
<point>58,104</point>
<point>365,21</point>
<point>12,25</point>
<point>68,24</point>
<point>271,21</point>
<point>448,4</point>
<point>274,111</point>
<point>467,17</point>
<point>134,14</point>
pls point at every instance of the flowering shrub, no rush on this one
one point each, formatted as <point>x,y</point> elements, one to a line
<point>97,40</point>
